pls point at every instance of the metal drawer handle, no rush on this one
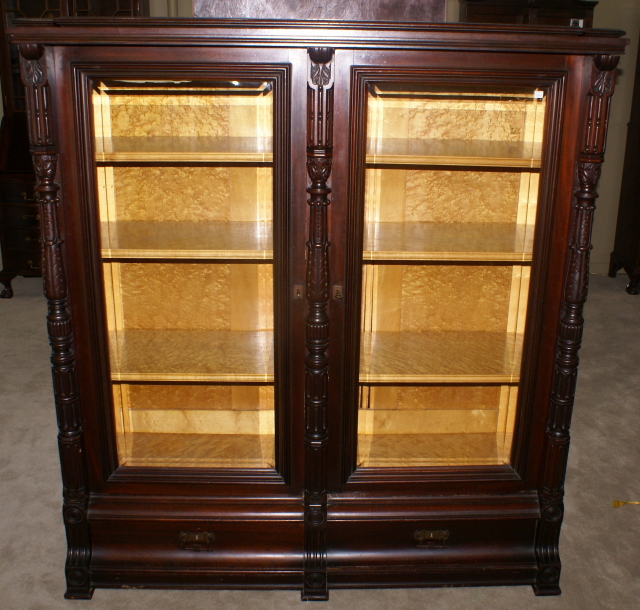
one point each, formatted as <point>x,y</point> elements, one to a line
<point>196,541</point>
<point>24,196</point>
<point>34,216</point>
<point>32,266</point>
<point>31,239</point>
<point>431,538</point>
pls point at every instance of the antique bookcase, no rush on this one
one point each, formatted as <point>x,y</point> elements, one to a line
<point>315,295</point>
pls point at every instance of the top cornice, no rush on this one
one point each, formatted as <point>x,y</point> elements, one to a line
<point>336,34</point>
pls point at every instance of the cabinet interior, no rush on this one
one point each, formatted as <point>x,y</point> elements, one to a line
<point>184,175</point>
<point>451,188</point>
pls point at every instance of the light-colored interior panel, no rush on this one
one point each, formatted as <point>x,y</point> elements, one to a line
<point>427,425</point>
<point>185,194</point>
<point>227,426</point>
<point>416,298</point>
<point>450,206</point>
<point>415,214</point>
<point>457,116</point>
<point>458,129</point>
<point>195,327</point>
<point>185,296</point>
<point>164,109</point>
<point>443,196</point>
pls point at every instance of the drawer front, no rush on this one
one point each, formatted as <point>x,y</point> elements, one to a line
<point>439,552</point>
<point>17,191</point>
<point>21,239</point>
<point>21,216</point>
<point>22,262</point>
<point>183,545</point>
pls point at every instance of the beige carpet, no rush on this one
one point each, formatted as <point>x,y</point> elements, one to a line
<point>600,545</point>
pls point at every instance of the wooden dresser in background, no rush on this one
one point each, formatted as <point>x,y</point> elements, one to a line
<point>19,217</point>
<point>577,13</point>
<point>626,250</point>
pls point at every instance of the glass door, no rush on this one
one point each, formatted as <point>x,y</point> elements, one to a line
<point>185,189</point>
<point>449,216</point>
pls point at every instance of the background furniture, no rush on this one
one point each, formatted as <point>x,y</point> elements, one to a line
<point>626,250</point>
<point>419,11</point>
<point>19,217</point>
<point>326,299</point>
<point>529,12</point>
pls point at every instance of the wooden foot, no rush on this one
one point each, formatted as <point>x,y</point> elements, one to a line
<point>79,595</point>
<point>5,280</point>
<point>633,287</point>
<point>544,589</point>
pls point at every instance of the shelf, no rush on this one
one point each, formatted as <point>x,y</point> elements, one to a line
<point>414,241</point>
<point>425,450</point>
<point>187,240</point>
<point>477,153</point>
<point>440,357</point>
<point>192,355</point>
<point>184,149</point>
<point>199,450</point>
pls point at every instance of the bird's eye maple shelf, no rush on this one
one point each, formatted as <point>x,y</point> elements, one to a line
<point>315,295</point>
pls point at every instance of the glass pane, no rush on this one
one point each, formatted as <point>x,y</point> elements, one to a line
<point>450,207</point>
<point>184,177</point>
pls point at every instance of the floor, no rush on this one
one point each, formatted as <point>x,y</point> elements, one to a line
<point>600,545</point>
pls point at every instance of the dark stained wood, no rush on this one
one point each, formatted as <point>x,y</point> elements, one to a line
<point>59,323</point>
<point>316,521</point>
<point>532,12</point>
<point>369,10</point>
<point>319,156</point>
<point>571,324</point>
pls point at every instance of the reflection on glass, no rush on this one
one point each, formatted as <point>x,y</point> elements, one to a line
<point>450,206</point>
<point>184,180</point>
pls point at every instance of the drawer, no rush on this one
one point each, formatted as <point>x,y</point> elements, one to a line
<point>196,552</point>
<point>438,552</point>
<point>21,216</point>
<point>21,239</point>
<point>16,191</point>
<point>22,262</point>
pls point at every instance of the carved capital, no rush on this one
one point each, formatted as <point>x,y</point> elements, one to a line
<point>588,174</point>
<point>320,74</point>
<point>45,165</point>
<point>318,168</point>
<point>33,73</point>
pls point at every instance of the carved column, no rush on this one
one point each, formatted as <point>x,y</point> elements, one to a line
<point>319,154</point>
<point>571,324</point>
<point>70,436</point>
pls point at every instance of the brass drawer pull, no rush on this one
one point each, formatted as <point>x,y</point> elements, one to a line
<point>196,541</point>
<point>31,239</point>
<point>26,198</point>
<point>431,538</point>
<point>32,266</point>
<point>28,216</point>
